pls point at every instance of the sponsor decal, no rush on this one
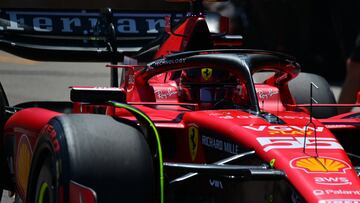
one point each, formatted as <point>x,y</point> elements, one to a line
<point>216,184</point>
<point>339,126</point>
<point>332,181</point>
<point>131,79</point>
<point>272,163</point>
<point>163,94</point>
<point>336,192</point>
<point>270,143</point>
<point>266,94</point>
<point>193,141</point>
<point>295,117</point>
<point>292,132</point>
<point>282,117</point>
<point>131,82</point>
<point>320,165</point>
<point>285,130</point>
<point>167,62</point>
<point>83,22</point>
<point>212,143</point>
<point>206,73</point>
<point>220,145</point>
<point>227,115</point>
<point>23,162</point>
<point>50,131</point>
<point>340,201</point>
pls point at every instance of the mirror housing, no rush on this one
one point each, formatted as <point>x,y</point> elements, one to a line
<point>97,94</point>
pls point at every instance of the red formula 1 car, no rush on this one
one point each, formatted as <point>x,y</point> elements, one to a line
<point>188,125</point>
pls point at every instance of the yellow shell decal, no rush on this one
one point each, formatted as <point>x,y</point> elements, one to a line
<point>206,73</point>
<point>193,141</point>
<point>320,164</point>
<point>23,162</point>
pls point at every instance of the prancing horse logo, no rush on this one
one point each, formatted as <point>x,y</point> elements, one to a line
<point>206,73</point>
<point>193,141</point>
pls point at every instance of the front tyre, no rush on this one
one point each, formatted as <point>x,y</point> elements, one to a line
<point>106,155</point>
<point>45,188</point>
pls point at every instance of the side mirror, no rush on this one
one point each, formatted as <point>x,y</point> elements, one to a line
<point>97,94</point>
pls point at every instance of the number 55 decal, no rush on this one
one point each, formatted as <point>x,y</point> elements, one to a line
<point>270,143</point>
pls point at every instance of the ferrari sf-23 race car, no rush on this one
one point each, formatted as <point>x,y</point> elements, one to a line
<point>185,122</point>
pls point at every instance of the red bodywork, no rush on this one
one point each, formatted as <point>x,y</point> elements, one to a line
<point>314,162</point>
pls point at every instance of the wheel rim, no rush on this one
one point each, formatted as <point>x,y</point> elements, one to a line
<point>44,193</point>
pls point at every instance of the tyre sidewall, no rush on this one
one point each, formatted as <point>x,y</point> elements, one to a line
<point>44,159</point>
<point>45,187</point>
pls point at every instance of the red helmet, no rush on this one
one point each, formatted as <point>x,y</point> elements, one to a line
<point>210,88</point>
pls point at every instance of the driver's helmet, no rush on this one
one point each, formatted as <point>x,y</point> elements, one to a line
<point>209,88</point>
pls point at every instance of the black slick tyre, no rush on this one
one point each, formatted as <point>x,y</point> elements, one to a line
<point>300,90</point>
<point>108,156</point>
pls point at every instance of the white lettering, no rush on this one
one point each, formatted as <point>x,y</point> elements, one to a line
<point>259,129</point>
<point>226,117</point>
<point>154,24</point>
<point>343,192</point>
<point>318,192</point>
<point>67,22</point>
<point>336,192</point>
<point>14,21</point>
<point>340,201</point>
<point>332,181</point>
<point>80,24</point>
<point>298,143</point>
<point>213,143</point>
<point>216,183</point>
<point>318,129</point>
<point>93,22</point>
<point>246,117</point>
<point>220,145</point>
<point>279,127</point>
<point>42,24</point>
<point>127,26</point>
<point>284,128</point>
<point>294,117</point>
<point>231,148</point>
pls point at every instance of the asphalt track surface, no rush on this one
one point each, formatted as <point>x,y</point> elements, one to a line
<point>26,80</point>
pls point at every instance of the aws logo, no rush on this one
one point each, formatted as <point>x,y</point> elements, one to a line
<point>320,165</point>
<point>332,181</point>
<point>193,141</point>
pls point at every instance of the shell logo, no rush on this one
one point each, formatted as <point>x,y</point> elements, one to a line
<point>320,165</point>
